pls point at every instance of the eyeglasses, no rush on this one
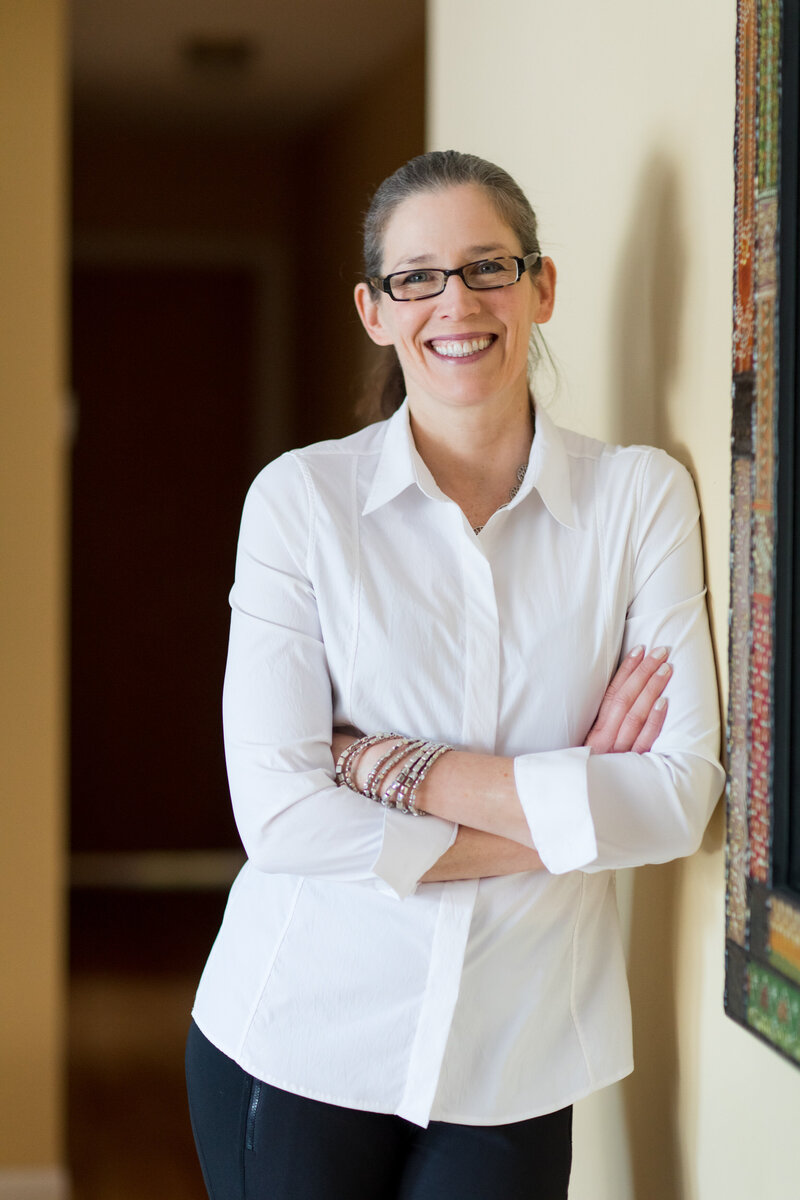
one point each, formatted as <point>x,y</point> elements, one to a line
<point>479,276</point>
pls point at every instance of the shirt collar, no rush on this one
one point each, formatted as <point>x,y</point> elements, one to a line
<point>549,471</point>
<point>399,466</point>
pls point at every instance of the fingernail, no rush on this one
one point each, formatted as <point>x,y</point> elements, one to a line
<point>636,651</point>
<point>660,704</point>
<point>661,652</point>
<point>665,670</point>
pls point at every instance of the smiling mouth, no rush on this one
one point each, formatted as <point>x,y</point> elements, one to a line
<point>461,347</point>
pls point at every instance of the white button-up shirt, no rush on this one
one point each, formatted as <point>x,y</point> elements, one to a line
<point>363,597</point>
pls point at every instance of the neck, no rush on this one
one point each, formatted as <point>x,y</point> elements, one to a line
<point>474,450</point>
<point>475,458</point>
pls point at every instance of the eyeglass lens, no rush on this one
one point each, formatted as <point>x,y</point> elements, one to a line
<point>425,281</point>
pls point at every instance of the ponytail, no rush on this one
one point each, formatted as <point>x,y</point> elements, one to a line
<point>385,390</point>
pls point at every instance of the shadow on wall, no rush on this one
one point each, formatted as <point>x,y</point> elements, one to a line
<point>648,317</point>
<point>650,1094</point>
<point>649,320</point>
<point>647,307</point>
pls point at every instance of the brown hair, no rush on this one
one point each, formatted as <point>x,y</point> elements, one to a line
<point>433,171</point>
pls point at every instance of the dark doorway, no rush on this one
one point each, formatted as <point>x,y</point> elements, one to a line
<point>213,328</point>
<point>163,379</point>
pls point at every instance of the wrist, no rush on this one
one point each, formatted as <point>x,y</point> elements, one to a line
<point>389,768</point>
<point>371,758</point>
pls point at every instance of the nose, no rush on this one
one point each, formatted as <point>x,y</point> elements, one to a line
<point>457,300</point>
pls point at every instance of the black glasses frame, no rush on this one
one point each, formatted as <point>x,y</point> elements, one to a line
<point>384,283</point>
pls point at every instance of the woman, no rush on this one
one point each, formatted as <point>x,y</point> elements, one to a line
<point>407,1008</point>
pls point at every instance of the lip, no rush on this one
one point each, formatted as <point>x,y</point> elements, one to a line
<point>460,340</point>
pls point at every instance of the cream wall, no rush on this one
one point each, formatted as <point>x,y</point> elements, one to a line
<point>32,594</point>
<point>617,119</point>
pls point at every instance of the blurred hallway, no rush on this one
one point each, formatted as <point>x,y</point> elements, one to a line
<point>219,172</point>
<point>136,959</point>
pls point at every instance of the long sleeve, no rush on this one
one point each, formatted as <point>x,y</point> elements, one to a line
<point>278,713</point>
<point>595,812</point>
<point>363,594</point>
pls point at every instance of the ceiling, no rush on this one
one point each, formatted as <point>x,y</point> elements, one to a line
<point>231,62</point>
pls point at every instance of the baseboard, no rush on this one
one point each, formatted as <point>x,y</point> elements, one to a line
<point>34,1183</point>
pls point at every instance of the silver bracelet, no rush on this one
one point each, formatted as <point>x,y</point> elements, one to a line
<point>403,792</point>
<point>372,787</point>
<point>349,757</point>
<point>405,779</point>
<point>411,802</point>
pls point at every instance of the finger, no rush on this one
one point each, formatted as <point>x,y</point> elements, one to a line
<point>635,719</point>
<point>652,727</point>
<point>623,673</point>
<point>620,701</point>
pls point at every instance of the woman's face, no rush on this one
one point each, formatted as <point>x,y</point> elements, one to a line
<point>460,348</point>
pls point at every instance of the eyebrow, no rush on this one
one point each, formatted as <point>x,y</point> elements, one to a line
<point>479,251</point>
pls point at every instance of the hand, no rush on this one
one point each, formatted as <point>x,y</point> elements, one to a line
<point>632,712</point>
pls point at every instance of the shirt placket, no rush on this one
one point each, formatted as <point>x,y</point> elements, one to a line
<point>482,645</point>
<point>481,682</point>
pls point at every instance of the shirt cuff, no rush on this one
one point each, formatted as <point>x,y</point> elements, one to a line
<point>410,847</point>
<point>553,789</point>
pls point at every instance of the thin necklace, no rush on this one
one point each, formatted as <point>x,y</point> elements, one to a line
<point>521,469</point>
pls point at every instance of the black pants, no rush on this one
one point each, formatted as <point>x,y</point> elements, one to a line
<point>257,1142</point>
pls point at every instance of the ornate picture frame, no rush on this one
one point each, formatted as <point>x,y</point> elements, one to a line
<point>762,976</point>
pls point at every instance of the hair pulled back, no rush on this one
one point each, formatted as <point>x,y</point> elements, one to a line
<point>434,171</point>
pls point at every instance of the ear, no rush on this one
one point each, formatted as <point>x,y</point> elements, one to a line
<point>545,285</point>
<point>369,308</point>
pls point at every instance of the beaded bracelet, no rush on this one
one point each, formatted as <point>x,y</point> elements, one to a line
<point>438,751</point>
<point>372,787</point>
<point>345,767</point>
<point>402,793</point>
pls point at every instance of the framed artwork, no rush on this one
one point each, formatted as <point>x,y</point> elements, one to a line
<point>762,977</point>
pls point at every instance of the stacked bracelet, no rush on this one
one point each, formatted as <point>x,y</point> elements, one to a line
<point>349,757</point>
<point>403,792</point>
<point>418,757</point>
<point>372,787</point>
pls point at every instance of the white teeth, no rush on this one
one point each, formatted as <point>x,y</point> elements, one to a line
<point>461,349</point>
